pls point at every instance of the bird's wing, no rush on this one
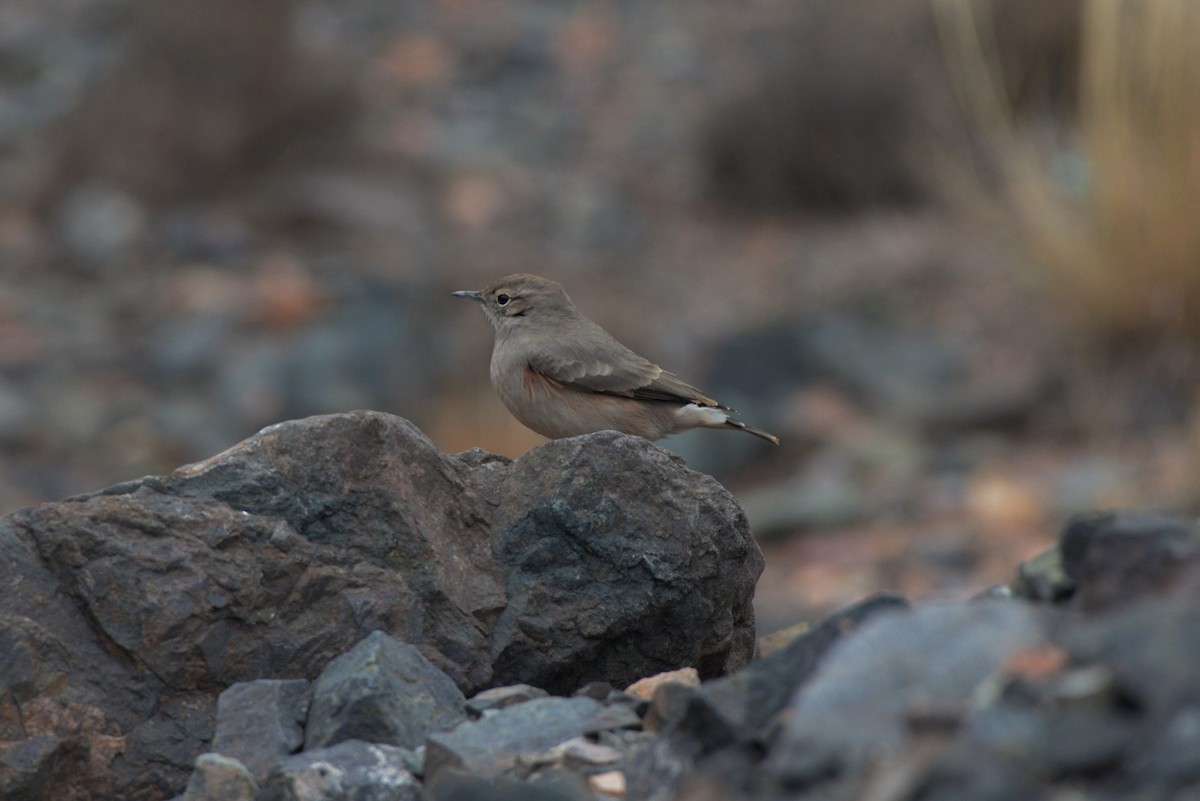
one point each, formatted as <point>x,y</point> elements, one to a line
<point>598,363</point>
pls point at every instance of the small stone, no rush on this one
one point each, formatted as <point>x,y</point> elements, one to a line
<point>349,770</point>
<point>501,697</point>
<point>488,746</point>
<point>610,784</point>
<point>645,688</point>
<point>1118,556</point>
<point>382,691</point>
<point>552,786</point>
<point>260,722</point>
<point>615,716</point>
<point>598,690</point>
<point>100,223</point>
<point>1042,578</point>
<point>669,706</point>
<point>770,643</point>
<point>657,769</point>
<point>579,752</point>
<point>220,778</point>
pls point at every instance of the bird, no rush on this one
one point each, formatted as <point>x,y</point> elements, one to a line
<point>562,375</point>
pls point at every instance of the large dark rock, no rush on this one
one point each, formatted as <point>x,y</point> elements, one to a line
<point>127,611</point>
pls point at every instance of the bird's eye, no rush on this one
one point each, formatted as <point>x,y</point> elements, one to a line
<point>502,299</point>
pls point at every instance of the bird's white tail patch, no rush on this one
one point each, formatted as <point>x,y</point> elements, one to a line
<point>693,414</point>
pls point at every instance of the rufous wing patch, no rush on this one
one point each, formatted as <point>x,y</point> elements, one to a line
<point>534,381</point>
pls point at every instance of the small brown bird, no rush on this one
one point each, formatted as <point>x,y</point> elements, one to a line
<point>562,375</point>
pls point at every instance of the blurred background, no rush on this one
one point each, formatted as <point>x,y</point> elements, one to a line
<point>949,250</point>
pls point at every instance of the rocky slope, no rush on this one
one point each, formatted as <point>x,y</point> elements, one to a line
<point>334,610</point>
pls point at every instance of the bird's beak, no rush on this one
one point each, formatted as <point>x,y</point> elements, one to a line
<point>468,293</point>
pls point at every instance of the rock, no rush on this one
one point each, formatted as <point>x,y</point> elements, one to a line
<point>66,697</point>
<point>1172,755</point>
<point>990,699</point>
<point>349,771</point>
<point>413,759</point>
<point>260,722</point>
<point>1151,648</point>
<point>1043,578</point>
<point>489,746</point>
<point>381,691</point>
<point>1070,725</point>
<point>673,554</point>
<point>770,643</point>
<point>740,707</point>
<point>657,769</point>
<point>129,609</point>
<point>645,688</point>
<point>578,753</point>
<point>501,697</point>
<point>610,784</point>
<point>812,500</point>
<point>715,734</point>
<point>926,661</point>
<point>17,416</point>
<point>39,764</point>
<point>556,787</point>
<point>1114,557</point>
<point>219,778</point>
<point>597,690</point>
<point>569,763</point>
<point>551,601</point>
<point>100,223</point>
<point>1114,719</point>
<point>616,715</point>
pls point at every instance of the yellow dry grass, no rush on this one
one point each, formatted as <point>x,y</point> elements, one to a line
<point>1110,212</point>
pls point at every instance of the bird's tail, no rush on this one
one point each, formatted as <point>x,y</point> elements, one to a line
<point>693,414</point>
<point>733,422</point>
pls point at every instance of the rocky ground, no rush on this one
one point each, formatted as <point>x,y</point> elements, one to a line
<point>335,609</point>
<point>217,215</point>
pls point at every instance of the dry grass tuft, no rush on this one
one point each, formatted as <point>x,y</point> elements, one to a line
<point>1109,207</point>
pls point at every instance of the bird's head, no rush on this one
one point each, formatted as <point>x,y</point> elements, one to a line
<point>522,299</point>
